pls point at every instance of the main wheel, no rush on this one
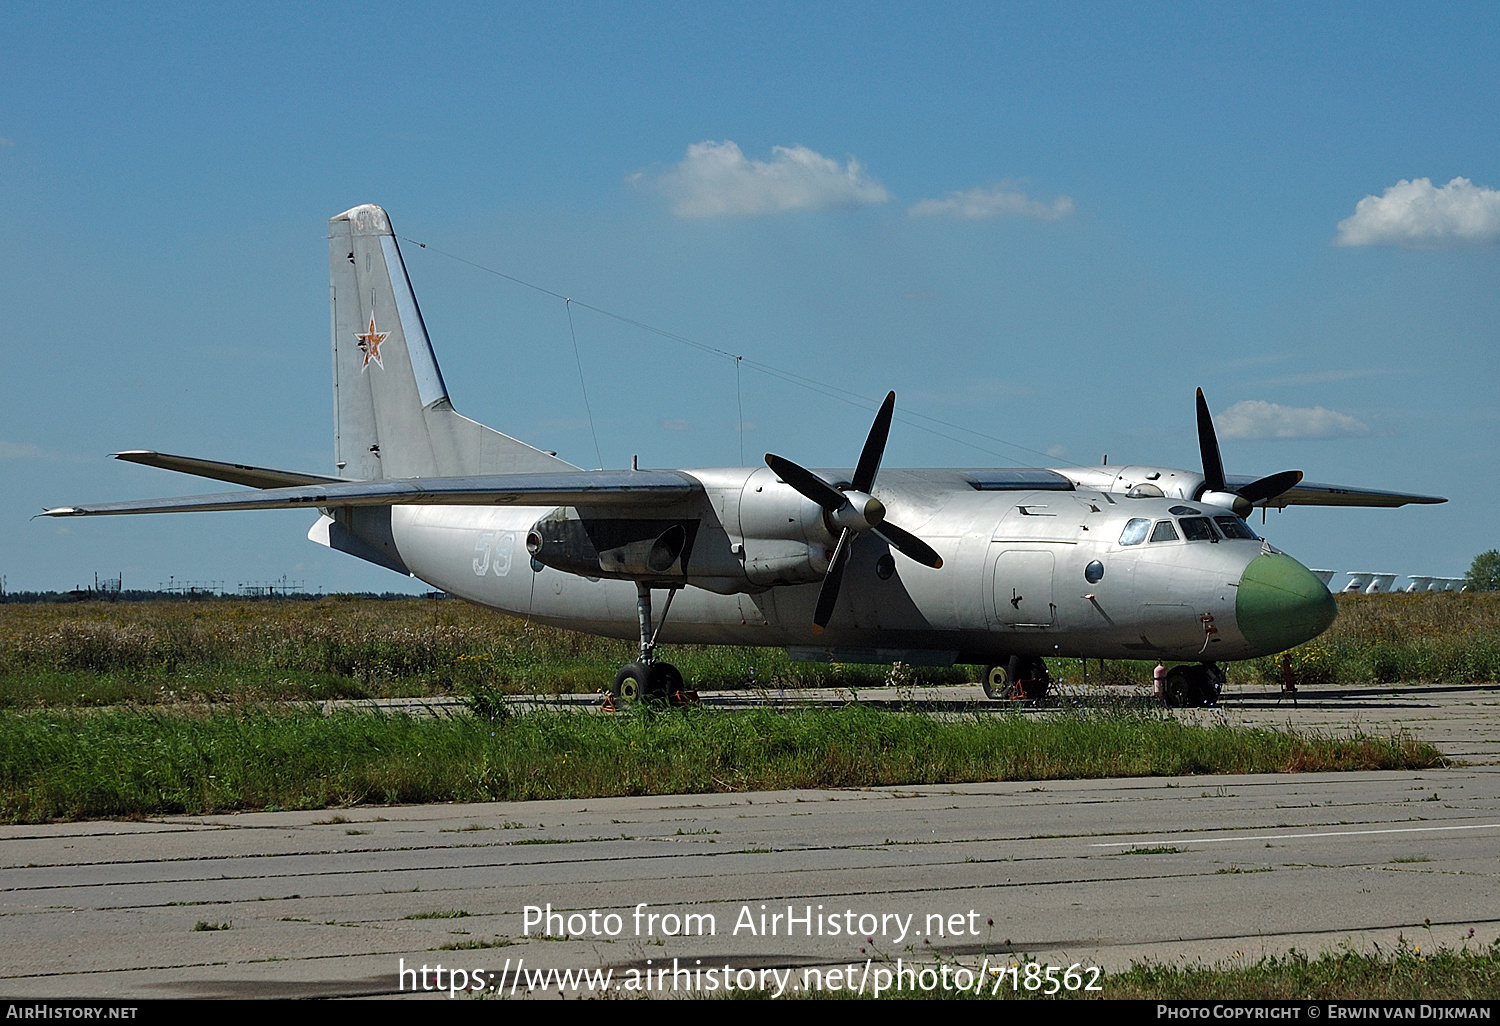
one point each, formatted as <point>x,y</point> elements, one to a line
<point>1031,677</point>
<point>663,681</point>
<point>630,683</point>
<point>997,684</point>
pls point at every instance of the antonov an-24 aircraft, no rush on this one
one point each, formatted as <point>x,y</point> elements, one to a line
<point>926,567</point>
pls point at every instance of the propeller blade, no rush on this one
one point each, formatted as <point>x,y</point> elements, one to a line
<point>1208,447</point>
<point>909,545</point>
<point>1270,487</point>
<point>805,481</point>
<point>869,459</point>
<point>829,595</point>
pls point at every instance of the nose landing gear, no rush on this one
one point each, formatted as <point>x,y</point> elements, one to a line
<point>1187,685</point>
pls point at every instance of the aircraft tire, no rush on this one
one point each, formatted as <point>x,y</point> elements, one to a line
<point>1180,688</point>
<point>630,684</point>
<point>1031,677</point>
<point>1209,685</point>
<point>997,683</point>
<point>663,682</point>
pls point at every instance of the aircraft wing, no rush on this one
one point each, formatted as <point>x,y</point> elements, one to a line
<point>578,488</point>
<point>1311,493</point>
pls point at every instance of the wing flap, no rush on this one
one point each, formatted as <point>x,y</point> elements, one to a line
<point>580,488</point>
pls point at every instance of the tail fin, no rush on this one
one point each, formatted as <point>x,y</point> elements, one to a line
<point>392,416</point>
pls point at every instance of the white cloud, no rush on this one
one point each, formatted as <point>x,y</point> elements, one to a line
<point>715,179</point>
<point>1416,213</point>
<point>19,451</point>
<point>979,203</point>
<point>1057,452</point>
<point>1256,418</point>
<point>676,424</point>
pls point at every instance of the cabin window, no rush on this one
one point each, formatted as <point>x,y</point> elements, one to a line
<point>1198,529</point>
<point>1234,527</point>
<point>1164,531</point>
<point>1094,572</point>
<point>1135,531</point>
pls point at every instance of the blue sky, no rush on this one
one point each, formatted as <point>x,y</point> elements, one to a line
<point>1043,223</point>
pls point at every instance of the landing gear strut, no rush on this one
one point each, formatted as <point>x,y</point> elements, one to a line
<point>646,678</point>
<point>1020,677</point>
<point>1187,685</point>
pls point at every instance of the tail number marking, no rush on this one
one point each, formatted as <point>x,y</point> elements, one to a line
<point>492,551</point>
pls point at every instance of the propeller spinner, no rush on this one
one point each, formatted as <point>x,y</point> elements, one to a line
<point>1214,489</point>
<point>854,510</point>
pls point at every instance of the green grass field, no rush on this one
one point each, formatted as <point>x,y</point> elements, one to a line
<point>150,653</point>
<point>168,707</point>
<point>111,763</point>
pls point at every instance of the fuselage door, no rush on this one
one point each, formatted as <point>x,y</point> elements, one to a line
<point>1022,589</point>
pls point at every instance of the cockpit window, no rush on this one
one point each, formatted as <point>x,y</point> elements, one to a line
<point>1234,527</point>
<point>1135,532</point>
<point>1198,529</point>
<point>1185,511</point>
<point>1164,531</point>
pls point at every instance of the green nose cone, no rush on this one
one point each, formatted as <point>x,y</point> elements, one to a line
<point>1281,604</point>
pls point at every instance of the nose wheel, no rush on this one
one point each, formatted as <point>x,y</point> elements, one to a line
<point>1189,686</point>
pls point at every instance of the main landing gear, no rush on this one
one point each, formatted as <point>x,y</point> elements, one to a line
<point>1193,685</point>
<point>1020,677</point>
<point>646,678</point>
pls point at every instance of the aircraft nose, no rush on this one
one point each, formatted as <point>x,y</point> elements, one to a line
<point>1281,604</point>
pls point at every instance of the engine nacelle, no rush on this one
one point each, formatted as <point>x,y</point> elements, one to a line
<point>786,537</point>
<point>619,547</point>
<point>1229,500</point>
<point>1137,482</point>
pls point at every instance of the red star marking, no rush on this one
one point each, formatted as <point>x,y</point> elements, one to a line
<point>369,344</point>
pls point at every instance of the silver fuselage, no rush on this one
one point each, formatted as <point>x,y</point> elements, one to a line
<point>1013,579</point>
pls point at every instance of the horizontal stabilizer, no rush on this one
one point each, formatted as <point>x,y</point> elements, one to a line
<point>234,473</point>
<point>577,488</point>
<point>1311,493</point>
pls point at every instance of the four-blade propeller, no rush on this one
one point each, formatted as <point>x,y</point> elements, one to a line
<point>853,510</point>
<point>1215,490</point>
